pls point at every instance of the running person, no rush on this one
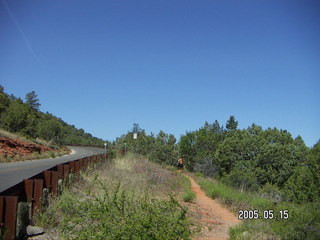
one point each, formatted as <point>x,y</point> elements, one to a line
<point>180,164</point>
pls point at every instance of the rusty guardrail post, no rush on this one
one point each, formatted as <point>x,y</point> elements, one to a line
<point>37,194</point>
<point>28,187</point>
<point>1,212</point>
<point>71,167</point>
<point>60,171</point>
<point>47,180</point>
<point>54,182</point>
<point>11,204</point>
<point>81,164</point>
<point>66,173</point>
<point>76,167</point>
<point>84,164</point>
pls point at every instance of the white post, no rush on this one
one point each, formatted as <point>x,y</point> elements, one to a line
<point>105,151</point>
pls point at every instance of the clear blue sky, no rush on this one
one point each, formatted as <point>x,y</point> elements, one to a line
<point>167,65</point>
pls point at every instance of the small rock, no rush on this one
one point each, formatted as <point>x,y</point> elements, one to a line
<point>34,231</point>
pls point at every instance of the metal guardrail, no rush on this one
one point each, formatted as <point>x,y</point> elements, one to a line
<point>32,191</point>
<point>84,145</point>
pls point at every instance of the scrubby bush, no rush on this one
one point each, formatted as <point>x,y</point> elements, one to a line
<point>302,186</point>
<point>242,180</point>
<point>206,166</point>
<point>271,192</point>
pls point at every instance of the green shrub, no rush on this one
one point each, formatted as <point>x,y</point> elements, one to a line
<point>199,174</point>
<point>301,186</point>
<point>188,196</point>
<point>242,180</point>
<point>271,192</point>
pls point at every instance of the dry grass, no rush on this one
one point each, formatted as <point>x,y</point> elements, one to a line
<point>140,175</point>
<point>34,156</point>
<point>4,133</point>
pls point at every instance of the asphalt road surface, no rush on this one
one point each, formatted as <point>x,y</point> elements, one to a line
<point>15,172</point>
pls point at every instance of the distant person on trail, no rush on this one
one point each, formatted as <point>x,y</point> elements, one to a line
<point>180,164</point>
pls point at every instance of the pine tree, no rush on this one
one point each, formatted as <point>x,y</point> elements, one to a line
<point>232,124</point>
<point>32,100</point>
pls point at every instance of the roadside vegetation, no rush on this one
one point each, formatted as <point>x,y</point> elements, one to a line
<point>126,198</point>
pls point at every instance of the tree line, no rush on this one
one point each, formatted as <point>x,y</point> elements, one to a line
<point>268,161</point>
<point>25,118</point>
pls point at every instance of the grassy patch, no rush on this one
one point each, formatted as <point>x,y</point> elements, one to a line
<point>188,195</point>
<point>303,220</point>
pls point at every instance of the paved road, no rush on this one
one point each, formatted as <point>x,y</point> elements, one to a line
<point>13,173</point>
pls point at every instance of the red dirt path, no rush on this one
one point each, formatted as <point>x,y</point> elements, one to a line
<point>214,219</point>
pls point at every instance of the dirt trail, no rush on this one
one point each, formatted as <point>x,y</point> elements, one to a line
<point>213,219</point>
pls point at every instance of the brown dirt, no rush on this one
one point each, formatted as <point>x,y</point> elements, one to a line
<point>211,219</point>
<point>13,147</point>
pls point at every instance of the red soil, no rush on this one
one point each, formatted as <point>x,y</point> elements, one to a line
<point>12,147</point>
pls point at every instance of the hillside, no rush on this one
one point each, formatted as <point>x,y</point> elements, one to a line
<point>16,148</point>
<point>25,118</point>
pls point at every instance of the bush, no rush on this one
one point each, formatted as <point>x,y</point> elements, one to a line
<point>301,186</point>
<point>188,196</point>
<point>271,192</point>
<point>206,166</point>
<point>242,180</point>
